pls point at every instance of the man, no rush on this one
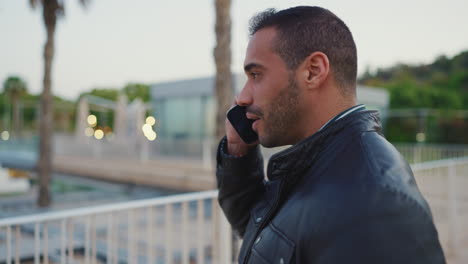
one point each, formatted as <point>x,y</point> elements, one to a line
<point>341,193</point>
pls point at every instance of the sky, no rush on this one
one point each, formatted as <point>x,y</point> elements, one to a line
<point>113,42</point>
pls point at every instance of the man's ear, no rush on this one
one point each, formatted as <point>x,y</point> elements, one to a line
<point>315,69</point>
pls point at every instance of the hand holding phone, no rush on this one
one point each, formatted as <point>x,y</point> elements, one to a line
<point>243,126</point>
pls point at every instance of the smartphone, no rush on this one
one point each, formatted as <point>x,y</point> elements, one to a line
<point>243,125</point>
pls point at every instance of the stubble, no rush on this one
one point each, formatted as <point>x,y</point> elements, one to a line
<point>281,117</point>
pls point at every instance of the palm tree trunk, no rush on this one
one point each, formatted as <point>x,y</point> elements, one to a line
<point>46,113</point>
<point>222,55</point>
<point>223,85</point>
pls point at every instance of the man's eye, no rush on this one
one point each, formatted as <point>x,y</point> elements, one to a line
<point>254,75</point>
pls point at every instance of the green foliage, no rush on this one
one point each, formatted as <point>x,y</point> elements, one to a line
<point>442,84</point>
<point>137,90</point>
<point>106,93</point>
<point>131,90</point>
<point>15,89</point>
<point>14,86</point>
<point>401,130</point>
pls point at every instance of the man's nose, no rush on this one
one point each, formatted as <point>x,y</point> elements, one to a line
<point>245,96</point>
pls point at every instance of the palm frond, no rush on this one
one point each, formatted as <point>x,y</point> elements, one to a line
<point>84,3</point>
<point>33,3</point>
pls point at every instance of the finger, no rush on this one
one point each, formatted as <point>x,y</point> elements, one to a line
<point>231,133</point>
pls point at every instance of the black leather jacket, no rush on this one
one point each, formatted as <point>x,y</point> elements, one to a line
<point>343,195</point>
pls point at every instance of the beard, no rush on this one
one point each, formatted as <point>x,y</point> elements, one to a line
<point>281,116</point>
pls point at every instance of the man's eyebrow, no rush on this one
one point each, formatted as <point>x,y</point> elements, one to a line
<point>250,66</point>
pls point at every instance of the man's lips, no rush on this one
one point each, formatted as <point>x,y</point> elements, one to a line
<point>255,124</point>
<point>255,118</point>
<point>252,116</point>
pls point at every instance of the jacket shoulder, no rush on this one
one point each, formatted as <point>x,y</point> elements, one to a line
<point>382,158</point>
<point>388,169</point>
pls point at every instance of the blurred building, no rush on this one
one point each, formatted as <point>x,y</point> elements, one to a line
<point>185,109</point>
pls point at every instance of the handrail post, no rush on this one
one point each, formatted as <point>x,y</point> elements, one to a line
<point>215,243</point>
<point>453,241</point>
<point>225,240</point>
<point>168,234</point>
<point>200,231</point>
<point>8,245</point>
<point>185,245</point>
<point>222,236</point>
<point>36,243</point>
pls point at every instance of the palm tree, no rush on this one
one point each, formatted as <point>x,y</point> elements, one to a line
<point>222,55</point>
<point>223,85</point>
<point>15,87</point>
<point>51,11</point>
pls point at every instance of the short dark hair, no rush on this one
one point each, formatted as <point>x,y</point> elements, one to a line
<point>303,30</point>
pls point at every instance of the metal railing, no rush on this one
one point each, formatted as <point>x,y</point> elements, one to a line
<point>418,153</point>
<point>183,229</point>
<point>190,228</point>
<point>204,149</point>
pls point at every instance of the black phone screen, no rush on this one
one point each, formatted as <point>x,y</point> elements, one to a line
<point>243,125</point>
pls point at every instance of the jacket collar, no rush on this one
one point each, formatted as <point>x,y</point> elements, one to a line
<point>292,162</point>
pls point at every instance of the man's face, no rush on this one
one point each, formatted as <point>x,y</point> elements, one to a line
<point>271,93</point>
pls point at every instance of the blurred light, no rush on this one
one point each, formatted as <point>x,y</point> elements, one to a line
<point>146,129</point>
<point>420,137</point>
<point>98,134</point>
<point>150,120</point>
<point>92,120</point>
<point>5,135</point>
<point>89,132</point>
<point>152,136</point>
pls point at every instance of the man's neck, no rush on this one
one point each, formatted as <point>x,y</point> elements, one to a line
<point>322,114</point>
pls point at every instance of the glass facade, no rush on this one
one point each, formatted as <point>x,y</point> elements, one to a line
<point>184,117</point>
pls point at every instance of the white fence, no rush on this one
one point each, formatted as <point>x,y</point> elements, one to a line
<point>181,229</point>
<point>444,184</point>
<point>190,228</point>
